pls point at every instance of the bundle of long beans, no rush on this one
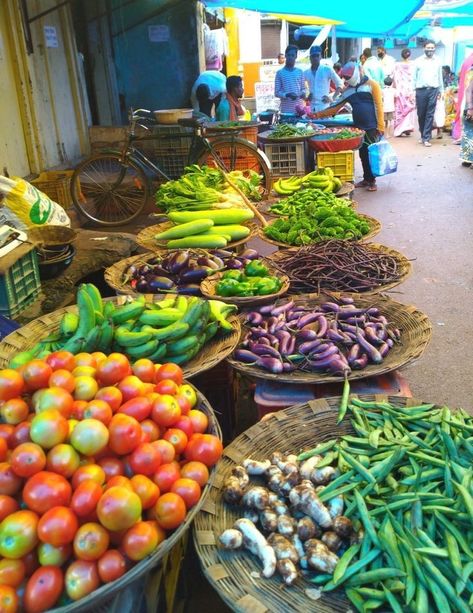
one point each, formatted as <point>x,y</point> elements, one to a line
<point>338,265</point>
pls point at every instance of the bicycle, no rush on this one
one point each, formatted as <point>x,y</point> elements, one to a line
<point>112,188</point>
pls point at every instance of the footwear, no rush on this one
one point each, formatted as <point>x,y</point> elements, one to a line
<point>372,187</point>
<point>362,183</point>
<point>427,143</point>
<point>420,141</point>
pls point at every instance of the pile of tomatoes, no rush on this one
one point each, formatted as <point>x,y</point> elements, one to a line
<point>99,459</point>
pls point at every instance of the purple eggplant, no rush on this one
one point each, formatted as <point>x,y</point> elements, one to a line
<point>234,264</point>
<point>254,318</point>
<point>160,283</point>
<point>266,309</point>
<point>142,286</point>
<point>264,341</point>
<point>273,365</point>
<point>309,346</point>
<point>323,326</point>
<point>348,327</point>
<point>283,308</point>
<point>330,306</point>
<point>194,274</point>
<point>354,353</point>
<point>285,340</point>
<point>262,350</point>
<point>374,311</point>
<point>250,254</point>
<point>372,337</point>
<point>224,254</point>
<point>261,331</point>
<point>189,289</point>
<point>288,367</point>
<point>358,320</point>
<point>346,300</point>
<point>243,355</point>
<point>320,356</point>
<point>390,342</point>
<point>382,320</point>
<point>384,349</point>
<point>177,261</point>
<point>275,324</point>
<point>326,363</point>
<point>290,346</point>
<point>360,363</point>
<point>336,336</point>
<point>372,352</point>
<point>306,334</point>
<point>307,319</point>
<point>294,314</point>
<point>350,312</point>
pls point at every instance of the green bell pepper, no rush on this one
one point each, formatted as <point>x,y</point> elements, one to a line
<point>227,287</point>
<point>256,268</point>
<point>233,274</point>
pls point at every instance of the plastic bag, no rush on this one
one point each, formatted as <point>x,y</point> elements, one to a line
<point>24,206</point>
<point>383,158</point>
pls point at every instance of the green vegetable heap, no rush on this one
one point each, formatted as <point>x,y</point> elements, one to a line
<point>285,130</point>
<point>311,216</point>
<point>254,280</point>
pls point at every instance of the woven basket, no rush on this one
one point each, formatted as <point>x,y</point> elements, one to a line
<point>415,327</point>
<point>208,285</point>
<point>345,190</point>
<point>405,267</point>
<point>374,224</point>
<point>146,239</point>
<point>211,354</point>
<point>233,573</point>
<point>51,236</point>
<point>107,592</point>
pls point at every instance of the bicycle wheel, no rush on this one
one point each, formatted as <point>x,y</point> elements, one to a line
<point>238,154</point>
<point>107,191</point>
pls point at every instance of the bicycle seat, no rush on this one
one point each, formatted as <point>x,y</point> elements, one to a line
<point>192,122</point>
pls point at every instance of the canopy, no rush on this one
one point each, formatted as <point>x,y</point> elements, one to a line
<point>317,21</point>
<point>406,31</point>
<point>361,18</point>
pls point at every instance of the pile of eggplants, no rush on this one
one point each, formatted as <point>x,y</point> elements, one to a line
<point>182,271</point>
<point>333,337</point>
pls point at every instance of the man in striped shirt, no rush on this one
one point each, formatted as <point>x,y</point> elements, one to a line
<point>289,82</point>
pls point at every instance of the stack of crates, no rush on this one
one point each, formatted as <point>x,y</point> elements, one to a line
<point>288,158</point>
<point>170,153</point>
<point>19,283</point>
<point>342,163</point>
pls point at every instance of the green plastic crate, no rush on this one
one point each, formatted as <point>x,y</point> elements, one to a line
<point>20,285</point>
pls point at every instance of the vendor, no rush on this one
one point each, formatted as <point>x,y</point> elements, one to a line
<point>207,91</point>
<point>365,97</point>
<point>289,82</point>
<point>318,78</point>
<point>230,108</point>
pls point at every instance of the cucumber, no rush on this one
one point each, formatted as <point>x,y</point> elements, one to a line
<point>218,216</point>
<point>207,241</point>
<point>235,231</point>
<point>186,229</point>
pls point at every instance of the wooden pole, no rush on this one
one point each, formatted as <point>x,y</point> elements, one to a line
<point>248,203</point>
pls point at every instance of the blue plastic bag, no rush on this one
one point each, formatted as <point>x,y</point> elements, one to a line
<point>382,157</point>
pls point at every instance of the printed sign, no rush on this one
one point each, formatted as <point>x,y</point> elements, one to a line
<point>50,36</point>
<point>265,99</point>
<point>158,33</point>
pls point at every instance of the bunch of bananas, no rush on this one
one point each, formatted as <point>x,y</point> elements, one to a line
<point>322,178</point>
<point>176,328</point>
<point>286,187</point>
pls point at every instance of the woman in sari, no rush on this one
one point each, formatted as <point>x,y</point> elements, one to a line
<point>466,154</point>
<point>404,113</point>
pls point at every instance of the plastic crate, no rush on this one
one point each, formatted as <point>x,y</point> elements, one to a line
<point>287,159</point>
<point>20,284</point>
<point>56,185</point>
<point>171,153</point>
<point>342,163</point>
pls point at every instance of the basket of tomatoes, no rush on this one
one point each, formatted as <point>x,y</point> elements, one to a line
<point>103,465</point>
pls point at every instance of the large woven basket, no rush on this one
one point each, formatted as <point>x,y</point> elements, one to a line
<point>211,354</point>
<point>375,228</point>
<point>146,239</point>
<point>265,205</point>
<point>405,267</point>
<point>208,289</point>
<point>107,592</point>
<point>415,327</point>
<point>233,574</point>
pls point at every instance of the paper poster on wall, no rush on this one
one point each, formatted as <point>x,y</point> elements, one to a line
<point>265,99</point>
<point>158,34</point>
<point>50,36</point>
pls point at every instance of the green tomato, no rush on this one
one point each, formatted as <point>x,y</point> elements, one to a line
<point>18,534</point>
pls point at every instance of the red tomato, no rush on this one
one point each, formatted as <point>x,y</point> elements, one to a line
<point>48,429</point>
<point>165,476</point>
<point>3,450</point>
<point>112,370</point>
<point>27,459</point>
<point>169,371</point>
<point>43,589</point>
<point>139,408</point>
<point>31,562</point>
<point>8,505</point>
<point>146,489</point>
<point>125,433</point>
<point>145,459</point>
<point>45,490</point>
<point>196,471</point>
<point>18,534</point>
<point>11,384</point>
<point>111,466</point>
<point>111,566</point>
<point>144,370</point>
<point>117,537</point>
<point>151,429</point>
<point>183,403</point>
<point>199,420</point>
<point>85,359</point>
<point>9,601</point>
<point>98,409</point>
<point>6,430</point>
<point>78,409</point>
<point>99,356</point>
<point>20,434</point>
<point>177,438</point>
<point>140,540</point>
<point>170,511</point>
<point>89,436</point>
<point>85,497</point>
<point>111,395</point>
<point>144,438</point>
<point>53,556</point>
<point>63,459</point>
<point>189,392</point>
<point>188,489</point>
<point>14,411</point>
<point>88,472</point>
<point>119,508</point>
<point>166,450</point>
<point>81,579</point>
<point>86,387</point>
<point>61,360</point>
<point>12,572</point>
<point>54,398</point>
<point>184,423</point>
<point>36,374</point>
<point>118,481</point>
<point>90,542</point>
<point>10,482</point>
<point>58,526</point>
<point>167,386</point>
<point>165,411</point>
<point>62,378</point>
<point>205,448</point>
<point>131,387</point>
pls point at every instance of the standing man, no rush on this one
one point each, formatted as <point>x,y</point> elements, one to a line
<point>289,82</point>
<point>372,67</point>
<point>387,62</point>
<point>317,79</point>
<point>428,84</point>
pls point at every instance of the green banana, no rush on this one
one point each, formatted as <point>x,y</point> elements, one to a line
<point>69,324</point>
<point>198,327</point>
<point>182,345</point>
<point>108,308</point>
<point>125,338</point>
<point>162,304</point>
<point>92,340</point>
<point>99,318</point>
<point>95,296</point>
<point>183,358</point>
<point>181,304</point>
<point>211,330</point>
<point>159,353</point>
<point>25,356</point>
<point>172,332</point>
<point>160,318</point>
<point>130,310</point>
<point>195,308</point>
<point>74,344</point>
<point>144,350</point>
<point>86,311</point>
<point>106,337</point>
